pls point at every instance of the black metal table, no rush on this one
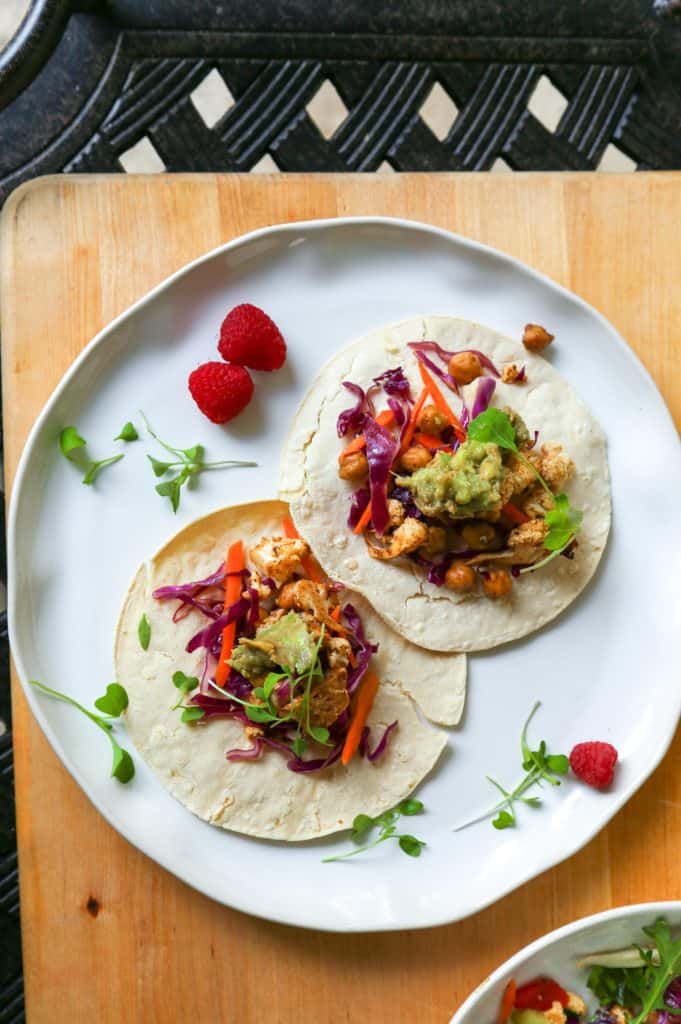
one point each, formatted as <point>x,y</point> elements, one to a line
<point>89,85</point>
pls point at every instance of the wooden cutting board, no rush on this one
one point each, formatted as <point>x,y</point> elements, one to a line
<point>107,934</point>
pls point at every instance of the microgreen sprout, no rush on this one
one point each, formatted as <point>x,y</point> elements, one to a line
<point>185,684</point>
<point>72,444</point>
<point>364,824</point>
<point>296,707</point>
<point>494,426</point>
<point>112,703</point>
<point>185,464</point>
<point>539,767</point>
<point>127,433</point>
<point>144,631</point>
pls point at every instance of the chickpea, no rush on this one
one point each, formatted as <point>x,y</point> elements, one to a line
<point>536,338</point>
<point>460,577</point>
<point>431,421</point>
<point>415,458</point>
<point>436,542</point>
<point>497,583</point>
<point>481,536</point>
<point>353,467</point>
<point>465,367</point>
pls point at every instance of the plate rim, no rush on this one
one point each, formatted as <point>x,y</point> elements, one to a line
<point>309,918</point>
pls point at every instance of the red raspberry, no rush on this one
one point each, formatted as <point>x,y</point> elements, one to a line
<point>248,337</point>
<point>221,391</point>
<point>594,763</point>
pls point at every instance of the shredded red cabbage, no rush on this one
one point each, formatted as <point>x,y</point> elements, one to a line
<point>363,650</point>
<point>394,383</point>
<point>672,996</point>
<point>352,420</point>
<point>445,377</point>
<point>381,449</point>
<point>315,764</point>
<point>483,395</point>
<point>207,636</point>
<point>382,744</point>
<point>522,375</point>
<point>247,753</point>
<point>406,499</point>
<point>446,354</point>
<point>358,502</point>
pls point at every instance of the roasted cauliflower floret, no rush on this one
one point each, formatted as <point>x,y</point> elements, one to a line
<point>536,502</point>
<point>576,1004</point>
<point>329,698</point>
<point>512,374</point>
<point>312,599</point>
<point>532,533</point>
<point>412,534</point>
<point>338,650</point>
<point>396,513</point>
<point>556,1015</point>
<point>278,557</point>
<point>554,465</point>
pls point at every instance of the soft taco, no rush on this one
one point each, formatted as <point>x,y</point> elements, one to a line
<point>267,698</point>
<point>453,478</point>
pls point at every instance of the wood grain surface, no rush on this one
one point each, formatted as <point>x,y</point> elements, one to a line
<point>107,934</point>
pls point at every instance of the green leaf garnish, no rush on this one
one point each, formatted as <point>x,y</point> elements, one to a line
<point>112,703</point>
<point>539,766</point>
<point>363,824</point>
<point>127,433</point>
<point>563,523</point>
<point>95,468</point>
<point>640,988</point>
<point>494,426</point>
<point>190,462</point>
<point>185,684</point>
<point>192,714</point>
<point>144,631</point>
<point>70,441</point>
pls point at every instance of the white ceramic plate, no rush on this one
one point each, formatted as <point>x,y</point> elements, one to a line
<point>556,955</point>
<point>605,669</point>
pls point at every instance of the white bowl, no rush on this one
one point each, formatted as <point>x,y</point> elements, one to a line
<point>556,955</point>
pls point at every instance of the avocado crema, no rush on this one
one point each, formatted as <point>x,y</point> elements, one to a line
<point>459,486</point>
<point>285,644</point>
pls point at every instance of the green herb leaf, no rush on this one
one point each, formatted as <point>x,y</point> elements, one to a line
<point>256,713</point>
<point>360,826</point>
<point>564,523</point>
<point>411,845</point>
<point>160,468</point>
<point>504,819</point>
<point>95,468</point>
<point>114,701</point>
<point>172,488</point>
<point>299,746</point>
<point>559,764</point>
<point>192,714</point>
<point>123,767</point>
<point>363,825</point>
<point>320,734</point>
<point>539,767</point>
<point>127,433</point>
<point>194,454</point>
<point>183,682</point>
<point>493,426</point>
<point>70,441</point>
<point>144,631</point>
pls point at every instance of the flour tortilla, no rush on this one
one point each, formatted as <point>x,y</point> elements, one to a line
<point>263,798</point>
<point>424,614</point>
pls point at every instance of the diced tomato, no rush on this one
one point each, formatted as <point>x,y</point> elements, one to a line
<point>540,995</point>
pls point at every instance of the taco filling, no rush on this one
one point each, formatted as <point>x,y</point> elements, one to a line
<point>470,495</point>
<point>284,654</point>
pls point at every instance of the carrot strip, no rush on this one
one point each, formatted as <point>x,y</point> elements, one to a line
<point>363,705</point>
<point>310,565</point>
<point>233,565</point>
<point>413,419</point>
<point>336,613</point>
<point>364,519</point>
<point>507,1002</point>
<point>386,418</point>
<point>515,514</point>
<point>430,441</point>
<point>439,402</point>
